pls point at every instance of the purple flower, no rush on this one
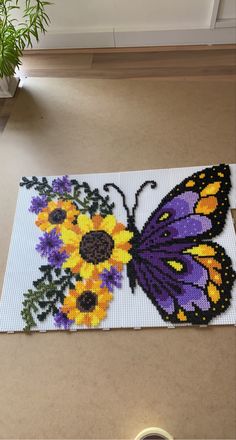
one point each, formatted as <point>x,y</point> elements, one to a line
<point>61,185</point>
<point>38,203</point>
<point>49,242</point>
<point>61,320</point>
<point>111,278</point>
<point>57,258</point>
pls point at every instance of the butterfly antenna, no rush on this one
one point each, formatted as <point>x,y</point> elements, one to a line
<point>144,184</point>
<point>106,188</point>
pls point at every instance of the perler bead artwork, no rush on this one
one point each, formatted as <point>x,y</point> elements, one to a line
<point>100,270</point>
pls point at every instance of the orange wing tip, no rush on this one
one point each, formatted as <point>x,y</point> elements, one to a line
<point>215,276</point>
<point>181,316</point>
<point>211,189</point>
<point>202,250</point>
<point>213,293</point>
<point>209,262</point>
<point>190,184</point>
<point>206,205</point>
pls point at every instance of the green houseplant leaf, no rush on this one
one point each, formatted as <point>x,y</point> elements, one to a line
<point>16,35</point>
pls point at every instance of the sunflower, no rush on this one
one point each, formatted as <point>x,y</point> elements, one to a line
<point>87,303</point>
<point>95,244</point>
<point>57,214</point>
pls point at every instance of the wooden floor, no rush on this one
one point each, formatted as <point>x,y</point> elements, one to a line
<point>168,63</point>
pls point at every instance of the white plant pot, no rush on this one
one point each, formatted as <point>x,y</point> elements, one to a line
<point>8,86</point>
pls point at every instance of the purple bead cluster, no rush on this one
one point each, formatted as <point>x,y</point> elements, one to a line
<point>61,320</point>
<point>62,185</point>
<point>111,278</point>
<point>38,203</point>
<point>49,246</point>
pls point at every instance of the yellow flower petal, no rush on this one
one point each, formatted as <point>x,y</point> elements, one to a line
<point>69,301</point>
<point>85,223</point>
<point>72,261</point>
<point>121,256</point>
<point>105,265</point>
<point>86,270</point>
<point>43,226</point>
<point>71,314</point>
<point>49,227</point>
<point>69,237</point>
<point>70,215</point>
<point>97,286</point>
<point>122,237</point>
<point>79,287</point>
<point>67,205</point>
<point>79,318</point>
<point>52,205</point>
<point>96,318</point>
<point>108,223</point>
<point>104,297</point>
<point>43,216</point>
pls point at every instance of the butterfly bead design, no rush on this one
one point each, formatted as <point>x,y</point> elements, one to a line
<point>187,276</point>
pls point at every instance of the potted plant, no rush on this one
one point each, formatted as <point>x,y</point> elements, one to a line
<point>20,24</point>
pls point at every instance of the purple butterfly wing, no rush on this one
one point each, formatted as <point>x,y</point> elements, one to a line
<point>186,279</point>
<point>182,285</point>
<point>194,209</point>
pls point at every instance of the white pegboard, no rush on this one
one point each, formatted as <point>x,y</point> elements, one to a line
<point>127,310</point>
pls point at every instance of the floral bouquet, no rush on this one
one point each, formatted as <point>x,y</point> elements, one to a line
<point>84,250</point>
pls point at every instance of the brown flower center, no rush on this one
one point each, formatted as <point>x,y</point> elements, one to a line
<point>57,216</point>
<point>96,247</point>
<point>87,301</point>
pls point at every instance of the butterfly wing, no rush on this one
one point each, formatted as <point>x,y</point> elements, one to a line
<point>187,282</point>
<point>196,208</point>
<point>187,279</point>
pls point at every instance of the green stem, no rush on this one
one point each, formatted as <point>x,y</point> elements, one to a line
<point>31,304</point>
<point>68,196</point>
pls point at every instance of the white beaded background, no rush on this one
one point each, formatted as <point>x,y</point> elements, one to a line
<point>127,310</point>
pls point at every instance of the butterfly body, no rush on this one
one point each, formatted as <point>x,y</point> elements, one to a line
<point>187,277</point>
<point>133,251</point>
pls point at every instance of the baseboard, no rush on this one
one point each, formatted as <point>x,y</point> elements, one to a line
<point>95,38</point>
<point>175,37</point>
<point>79,39</point>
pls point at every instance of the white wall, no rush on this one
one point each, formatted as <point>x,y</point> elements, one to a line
<point>158,14</point>
<point>227,10</point>
<point>111,23</point>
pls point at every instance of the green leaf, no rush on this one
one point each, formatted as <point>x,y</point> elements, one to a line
<point>16,35</point>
